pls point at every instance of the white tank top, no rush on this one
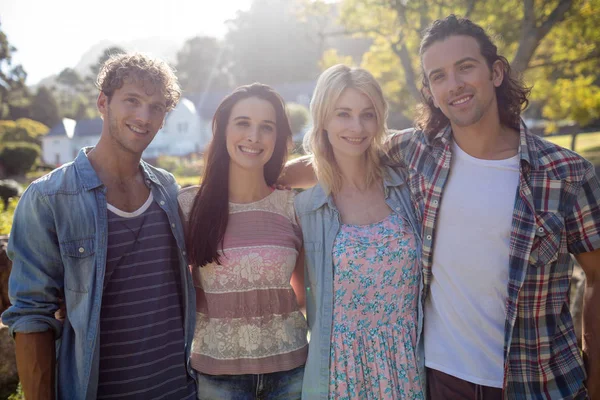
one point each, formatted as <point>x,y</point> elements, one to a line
<point>466,307</point>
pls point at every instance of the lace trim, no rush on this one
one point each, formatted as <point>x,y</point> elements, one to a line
<point>243,269</point>
<point>230,339</point>
<point>280,202</point>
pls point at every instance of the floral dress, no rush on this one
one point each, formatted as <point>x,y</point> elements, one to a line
<point>375,316</point>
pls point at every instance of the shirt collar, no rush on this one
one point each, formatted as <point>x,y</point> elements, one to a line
<point>392,177</point>
<point>89,177</point>
<point>527,146</point>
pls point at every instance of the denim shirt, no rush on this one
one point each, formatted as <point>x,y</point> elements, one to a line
<point>320,222</point>
<point>58,245</point>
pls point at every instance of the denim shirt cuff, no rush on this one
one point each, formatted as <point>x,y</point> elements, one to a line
<point>36,323</point>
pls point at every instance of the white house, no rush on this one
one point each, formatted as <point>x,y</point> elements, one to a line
<point>184,132</point>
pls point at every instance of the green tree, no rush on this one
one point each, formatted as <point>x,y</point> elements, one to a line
<point>22,130</point>
<point>271,44</point>
<point>44,107</point>
<point>557,38</point>
<point>201,65</point>
<point>71,93</point>
<point>14,96</point>
<point>95,68</point>
<point>18,158</point>
<point>299,117</point>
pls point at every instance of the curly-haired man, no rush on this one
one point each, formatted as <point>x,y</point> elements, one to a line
<point>102,234</point>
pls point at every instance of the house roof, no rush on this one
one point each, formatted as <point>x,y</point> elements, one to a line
<point>88,127</point>
<point>204,104</point>
<point>207,102</point>
<point>64,127</point>
<point>71,128</point>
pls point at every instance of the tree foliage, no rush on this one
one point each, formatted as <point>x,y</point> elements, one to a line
<point>299,117</point>
<point>18,158</point>
<point>201,65</point>
<point>44,107</point>
<point>270,44</point>
<point>14,96</point>
<point>554,43</point>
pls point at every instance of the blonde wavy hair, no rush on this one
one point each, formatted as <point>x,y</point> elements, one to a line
<point>330,85</point>
<point>152,73</point>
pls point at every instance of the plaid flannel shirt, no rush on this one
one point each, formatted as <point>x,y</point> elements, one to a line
<point>556,214</point>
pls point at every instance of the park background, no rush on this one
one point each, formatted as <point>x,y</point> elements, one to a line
<point>554,44</point>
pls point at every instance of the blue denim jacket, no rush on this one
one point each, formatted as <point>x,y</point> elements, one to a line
<point>58,247</point>
<point>320,222</point>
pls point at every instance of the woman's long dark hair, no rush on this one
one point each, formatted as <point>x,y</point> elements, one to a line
<point>511,94</point>
<point>210,210</point>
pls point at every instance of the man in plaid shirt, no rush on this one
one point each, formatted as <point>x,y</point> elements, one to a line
<point>502,213</point>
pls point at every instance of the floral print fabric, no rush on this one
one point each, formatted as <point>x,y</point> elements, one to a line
<point>375,317</point>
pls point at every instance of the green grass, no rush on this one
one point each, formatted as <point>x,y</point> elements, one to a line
<point>587,144</point>
<point>187,180</point>
<point>584,141</point>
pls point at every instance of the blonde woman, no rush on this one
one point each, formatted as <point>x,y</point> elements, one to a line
<point>362,251</point>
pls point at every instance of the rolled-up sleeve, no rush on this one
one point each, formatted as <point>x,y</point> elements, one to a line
<point>583,222</point>
<point>36,279</point>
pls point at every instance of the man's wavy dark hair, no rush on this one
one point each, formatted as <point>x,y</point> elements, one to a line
<point>511,94</point>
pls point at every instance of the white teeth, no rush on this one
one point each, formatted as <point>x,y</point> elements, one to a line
<point>461,101</point>
<point>354,140</point>
<point>249,150</point>
<point>136,130</point>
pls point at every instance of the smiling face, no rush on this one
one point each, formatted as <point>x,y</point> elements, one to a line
<point>133,116</point>
<point>353,125</point>
<point>251,134</point>
<point>461,83</point>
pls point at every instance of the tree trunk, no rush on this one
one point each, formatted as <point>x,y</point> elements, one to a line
<point>410,76</point>
<point>573,139</point>
<point>533,31</point>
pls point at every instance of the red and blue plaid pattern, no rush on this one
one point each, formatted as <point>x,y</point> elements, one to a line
<point>556,214</point>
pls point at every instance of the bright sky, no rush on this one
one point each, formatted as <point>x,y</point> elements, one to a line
<point>51,35</point>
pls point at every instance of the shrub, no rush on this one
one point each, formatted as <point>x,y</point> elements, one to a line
<point>181,166</point>
<point>299,116</point>
<point>18,157</point>
<point>6,216</point>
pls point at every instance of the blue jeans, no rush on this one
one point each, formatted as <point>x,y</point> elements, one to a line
<point>283,385</point>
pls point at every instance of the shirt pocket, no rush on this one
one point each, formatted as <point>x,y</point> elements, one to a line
<point>79,263</point>
<point>313,256</point>
<point>548,235</point>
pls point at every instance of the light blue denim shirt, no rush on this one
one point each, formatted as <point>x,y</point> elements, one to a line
<point>58,247</point>
<point>320,222</point>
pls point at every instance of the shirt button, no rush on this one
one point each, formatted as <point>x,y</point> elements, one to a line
<point>446,165</point>
<point>397,208</point>
<point>541,230</point>
<point>172,225</point>
<point>435,202</point>
<point>428,237</point>
<point>81,249</point>
<point>162,202</point>
<point>184,253</point>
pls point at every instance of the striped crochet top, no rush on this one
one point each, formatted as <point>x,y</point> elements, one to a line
<point>247,316</point>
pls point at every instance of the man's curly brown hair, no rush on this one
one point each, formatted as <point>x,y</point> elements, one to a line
<point>151,73</point>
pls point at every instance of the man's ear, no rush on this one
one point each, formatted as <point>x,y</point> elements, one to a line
<point>102,103</point>
<point>429,96</point>
<point>497,73</point>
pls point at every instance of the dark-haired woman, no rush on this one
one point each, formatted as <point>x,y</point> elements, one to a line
<point>244,245</point>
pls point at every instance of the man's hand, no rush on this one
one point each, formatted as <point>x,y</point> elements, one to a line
<point>36,364</point>
<point>590,263</point>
